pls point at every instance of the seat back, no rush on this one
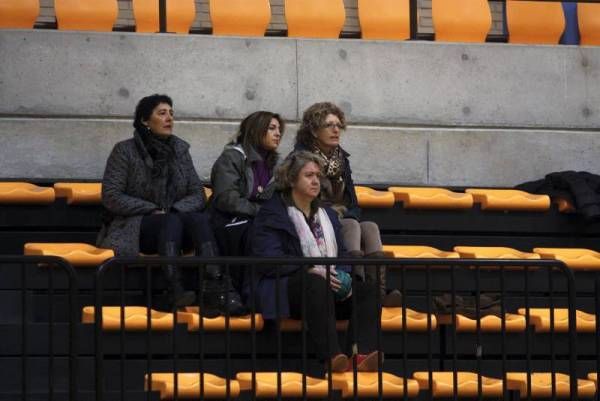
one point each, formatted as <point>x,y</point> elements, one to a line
<point>534,22</point>
<point>588,15</point>
<point>240,17</point>
<point>180,15</point>
<point>86,15</point>
<point>315,18</point>
<point>19,14</point>
<point>384,19</point>
<point>461,21</point>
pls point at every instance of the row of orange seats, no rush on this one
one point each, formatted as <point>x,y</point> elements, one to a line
<point>464,21</point>
<point>443,385</point>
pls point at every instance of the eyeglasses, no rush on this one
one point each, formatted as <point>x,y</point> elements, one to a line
<point>334,125</point>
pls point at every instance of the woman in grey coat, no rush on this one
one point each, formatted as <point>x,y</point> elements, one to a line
<point>242,179</point>
<point>154,201</point>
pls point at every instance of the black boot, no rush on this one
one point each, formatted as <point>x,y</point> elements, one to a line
<point>220,297</point>
<point>178,296</point>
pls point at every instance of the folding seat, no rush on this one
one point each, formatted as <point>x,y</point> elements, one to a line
<point>236,323</point>
<point>315,18</point>
<point>384,19</point>
<point>487,324</point>
<point>369,197</point>
<point>461,21</point>
<point>431,198</point>
<point>367,385</point>
<point>541,385</point>
<point>392,320</point>
<point>135,318</point>
<point>574,258</point>
<point>540,319</point>
<point>77,254</point>
<point>189,386</point>
<point>79,193</point>
<point>25,193</point>
<point>588,15</point>
<point>418,252</point>
<point>86,15</point>
<point>467,384</point>
<point>240,17</point>
<point>534,22</point>
<point>493,252</point>
<point>19,14</point>
<point>291,385</point>
<point>180,15</point>
<point>509,199</point>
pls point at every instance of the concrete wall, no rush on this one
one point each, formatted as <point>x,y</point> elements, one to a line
<point>420,112</point>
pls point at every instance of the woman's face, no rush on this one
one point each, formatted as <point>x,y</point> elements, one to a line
<point>272,137</point>
<point>308,183</point>
<point>161,120</point>
<point>328,136</point>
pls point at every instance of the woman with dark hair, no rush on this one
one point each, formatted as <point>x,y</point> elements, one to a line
<point>241,179</point>
<point>154,201</point>
<point>319,133</point>
<point>292,224</point>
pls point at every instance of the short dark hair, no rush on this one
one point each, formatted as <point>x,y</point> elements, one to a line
<point>313,120</point>
<point>146,105</point>
<point>253,129</point>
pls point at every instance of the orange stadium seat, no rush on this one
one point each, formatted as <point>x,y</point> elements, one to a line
<point>391,320</point>
<point>315,18</point>
<point>384,19</point>
<point>509,199</point>
<point>240,17</point>
<point>79,193</point>
<point>493,252</point>
<point>417,252</point>
<point>574,258</point>
<point>180,15</point>
<point>541,385</point>
<point>236,323</point>
<point>77,254</point>
<point>189,386</point>
<point>588,15</point>
<point>464,21</point>
<point>368,385</point>
<point>25,193</point>
<point>534,22</point>
<point>19,14</point>
<point>487,324</point>
<point>466,384</point>
<point>540,318</point>
<point>369,197</point>
<point>291,385</point>
<point>86,15</point>
<point>135,318</point>
<point>431,198</point>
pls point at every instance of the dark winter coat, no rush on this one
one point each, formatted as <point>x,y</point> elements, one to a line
<point>232,181</point>
<point>127,192</point>
<point>274,235</point>
<point>351,201</point>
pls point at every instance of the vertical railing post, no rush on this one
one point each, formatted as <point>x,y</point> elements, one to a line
<point>162,15</point>
<point>414,15</point>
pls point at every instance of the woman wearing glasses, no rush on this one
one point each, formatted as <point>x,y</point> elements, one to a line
<point>320,132</point>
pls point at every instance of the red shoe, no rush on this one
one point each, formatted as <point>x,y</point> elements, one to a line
<point>366,362</point>
<point>338,363</point>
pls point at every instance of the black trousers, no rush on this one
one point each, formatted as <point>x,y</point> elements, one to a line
<point>322,312</point>
<point>233,239</point>
<point>186,230</point>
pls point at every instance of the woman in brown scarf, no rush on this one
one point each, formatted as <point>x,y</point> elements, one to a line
<point>320,132</point>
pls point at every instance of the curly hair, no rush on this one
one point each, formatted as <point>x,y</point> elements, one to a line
<point>313,120</point>
<point>254,128</point>
<point>287,172</point>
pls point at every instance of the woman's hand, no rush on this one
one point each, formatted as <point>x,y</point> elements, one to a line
<point>334,282</point>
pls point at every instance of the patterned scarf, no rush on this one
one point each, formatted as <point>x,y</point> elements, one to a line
<point>332,191</point>
<point>318,241</point>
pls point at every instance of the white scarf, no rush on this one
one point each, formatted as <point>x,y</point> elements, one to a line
<point>308,242</point>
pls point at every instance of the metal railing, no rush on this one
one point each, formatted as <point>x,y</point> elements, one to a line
<point>518,283</point>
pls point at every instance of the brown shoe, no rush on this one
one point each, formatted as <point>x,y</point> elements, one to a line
<point>392,299</point>
<point>338,363</point>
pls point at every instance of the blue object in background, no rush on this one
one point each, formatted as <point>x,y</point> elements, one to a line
<point>346,287</point>
<point>571,34</point>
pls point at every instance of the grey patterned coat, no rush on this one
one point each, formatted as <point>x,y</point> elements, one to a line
<point>127,192</point>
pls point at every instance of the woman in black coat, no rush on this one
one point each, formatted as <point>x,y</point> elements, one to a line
<point>292,224</point>
<point>154,201</point>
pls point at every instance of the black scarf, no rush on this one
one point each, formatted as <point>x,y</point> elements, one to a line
<point>160,158</point>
